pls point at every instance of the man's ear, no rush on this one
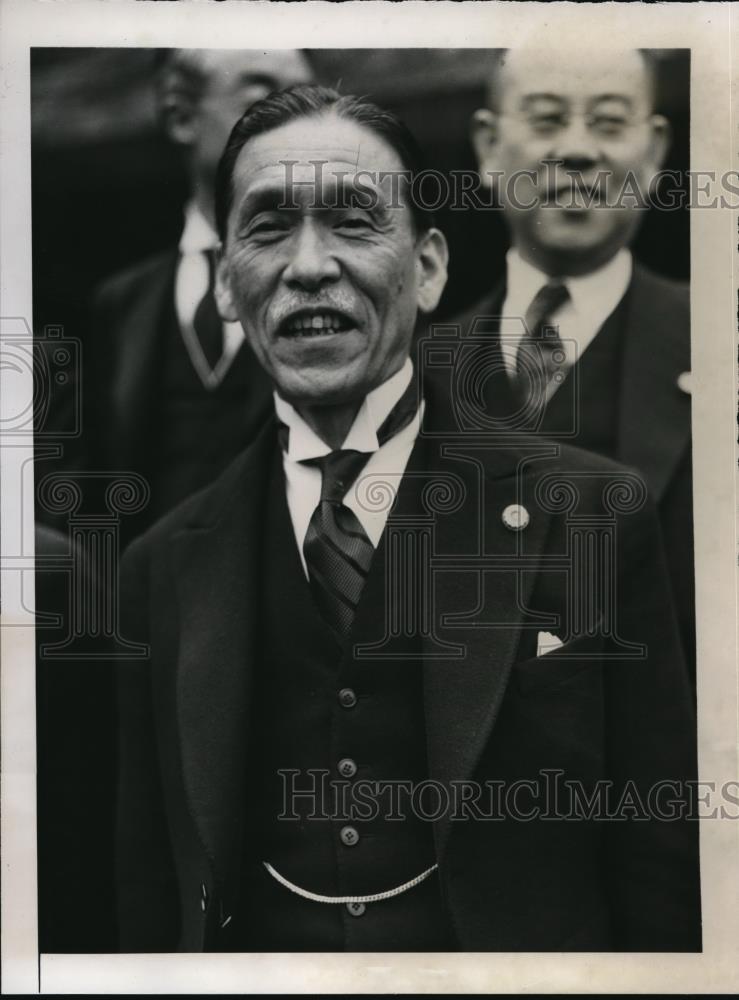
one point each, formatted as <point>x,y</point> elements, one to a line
<point>484,138</point>
<point>222,290</point>
<point>660,136</point>
<point>431,263</point>
<point>179,112</point>
<point>660,139</point>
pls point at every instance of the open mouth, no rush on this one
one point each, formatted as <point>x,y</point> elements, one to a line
<point>315,323</point>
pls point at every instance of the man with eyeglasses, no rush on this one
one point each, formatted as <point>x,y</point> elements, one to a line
<point>172,392</point>
<point>572,142</point>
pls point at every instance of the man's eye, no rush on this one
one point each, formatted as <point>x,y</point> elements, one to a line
<point>546,123</point>
<point>609,124</point>
<point>357,223</point>
<point>263,227</point>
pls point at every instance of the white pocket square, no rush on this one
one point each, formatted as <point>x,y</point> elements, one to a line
<point>546,643</point>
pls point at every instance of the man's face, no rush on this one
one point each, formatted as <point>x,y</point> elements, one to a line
<point>236,80</point>
<point>327,291</point>
<point>592,112</point>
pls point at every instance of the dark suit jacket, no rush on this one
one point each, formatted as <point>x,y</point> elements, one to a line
<point>654,423</point>
<point>494,710</point>
<point>124,363</point>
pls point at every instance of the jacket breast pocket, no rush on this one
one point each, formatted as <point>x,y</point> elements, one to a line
<point>577,657</point>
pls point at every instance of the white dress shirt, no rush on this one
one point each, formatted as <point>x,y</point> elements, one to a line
<point>593,297</point>
<point>191,284</point>
<point>372,494</point>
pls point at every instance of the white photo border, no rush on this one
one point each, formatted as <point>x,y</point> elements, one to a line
<point>706,29</point>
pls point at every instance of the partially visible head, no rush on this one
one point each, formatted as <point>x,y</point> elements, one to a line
<point>202,92</point>
<point>325,261</point>
<point>591,111</point>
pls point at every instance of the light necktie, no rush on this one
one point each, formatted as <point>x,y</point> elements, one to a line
<point>206,322</point>
<point>337,551</point>
<point>540,357</point>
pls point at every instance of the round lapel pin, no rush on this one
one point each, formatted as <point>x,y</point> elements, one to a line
<point>515,517</point>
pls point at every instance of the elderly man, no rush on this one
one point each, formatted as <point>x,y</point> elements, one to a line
<point>172,392</point>
<point>574,142</point>
<point>347,729</point>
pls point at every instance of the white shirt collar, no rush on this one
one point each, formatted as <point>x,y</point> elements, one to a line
<point>304,443</point>
<point>593,297</point>
<point>198,234</point>
<point>596,294</point>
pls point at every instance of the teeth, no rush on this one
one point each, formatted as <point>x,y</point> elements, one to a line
<point>310,325</point>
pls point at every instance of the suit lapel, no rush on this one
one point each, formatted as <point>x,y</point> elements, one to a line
<point>141,338</point>
<point>654,417</point>
<point>218,568</point>
<point>481,326</point>
<point>463,693</point>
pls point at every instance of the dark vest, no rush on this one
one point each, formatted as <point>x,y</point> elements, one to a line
<point>304,731</point>
<point>198,431</point>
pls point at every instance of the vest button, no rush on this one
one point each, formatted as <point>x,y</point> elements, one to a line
<point>348,836</point>
<point>347,698</point>
<point>356,909</point>
<point>347,768</point>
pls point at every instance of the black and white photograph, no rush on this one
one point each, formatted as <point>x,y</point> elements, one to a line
<point>371,499</point>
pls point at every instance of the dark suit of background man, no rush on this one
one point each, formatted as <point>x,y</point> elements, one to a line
<point>626,331</point>
<point>174,392</point>
<point>265,601</point>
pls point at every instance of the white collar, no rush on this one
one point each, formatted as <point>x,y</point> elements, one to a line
<point>304,443</point>
<point>596,293</point>
<point>198,234</point>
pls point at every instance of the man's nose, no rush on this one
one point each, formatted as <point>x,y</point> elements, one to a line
<point>312,262</point>
<point>576,145</point>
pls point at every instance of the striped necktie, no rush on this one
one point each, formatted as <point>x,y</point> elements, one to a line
<point>540,356</point>
<point>337,551</point>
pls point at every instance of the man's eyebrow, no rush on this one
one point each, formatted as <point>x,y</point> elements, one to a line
<point>362,189</point>
<point>265,199</point>
<point>623,98</point>
<point>530,99</point>
<point>542,96</point>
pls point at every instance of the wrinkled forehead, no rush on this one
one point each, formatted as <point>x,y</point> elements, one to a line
<point>309,160</point>
<point>573,75</point>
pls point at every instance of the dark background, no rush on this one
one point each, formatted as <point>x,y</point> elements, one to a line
<point>108,189</point>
